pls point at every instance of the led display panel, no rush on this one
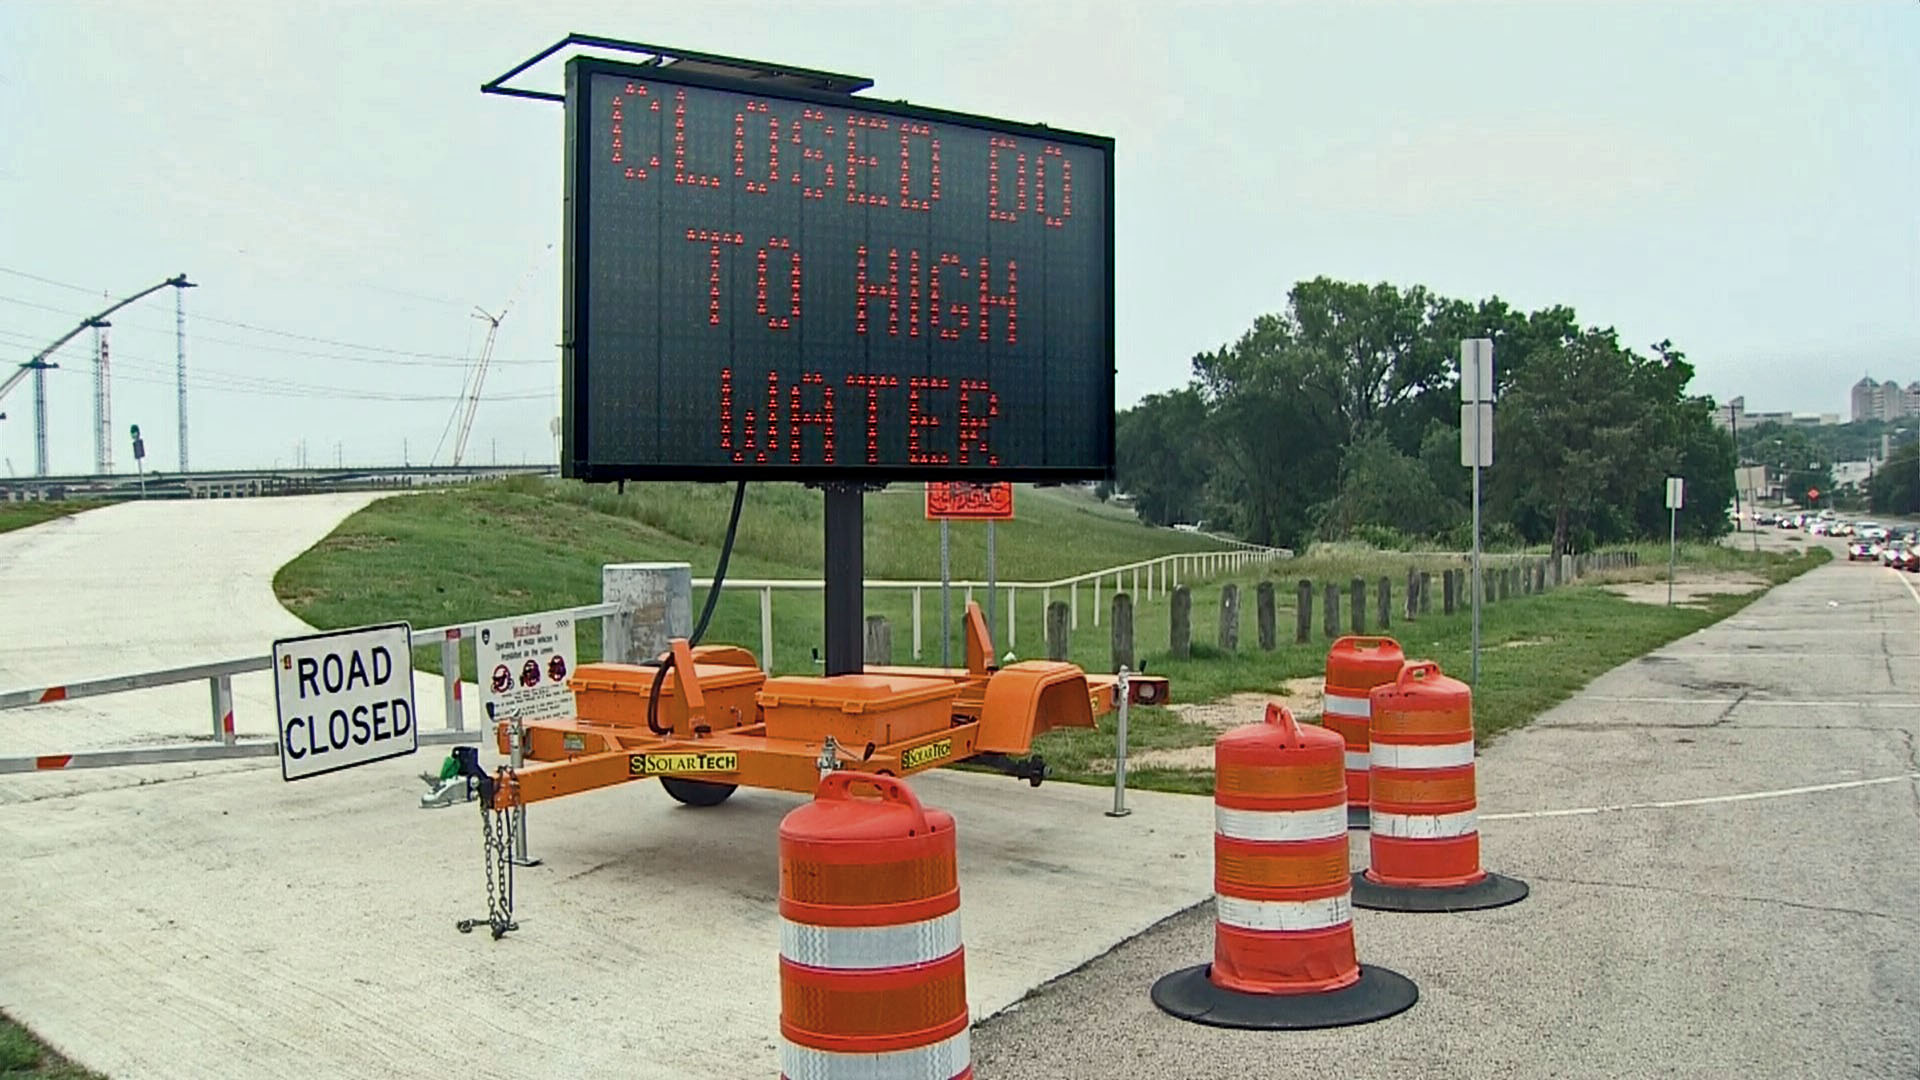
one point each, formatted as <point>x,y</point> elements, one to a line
<point>772,283</point>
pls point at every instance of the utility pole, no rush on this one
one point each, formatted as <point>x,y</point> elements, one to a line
<point>102,400</point>
<point>1739,470</point>
<point>40,368</point>
<point>180,287</point>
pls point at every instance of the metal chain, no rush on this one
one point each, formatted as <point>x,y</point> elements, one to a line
<point>496,836</point>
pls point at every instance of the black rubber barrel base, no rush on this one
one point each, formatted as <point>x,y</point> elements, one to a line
<point>1379,994</point>
<point>1358,817</point>
<point>1491,891</point>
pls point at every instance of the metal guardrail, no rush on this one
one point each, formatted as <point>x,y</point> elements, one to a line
<point>1160,576</point>
<point>218,676</point>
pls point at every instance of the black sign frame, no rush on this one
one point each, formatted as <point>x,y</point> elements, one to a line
<point>576,455</point>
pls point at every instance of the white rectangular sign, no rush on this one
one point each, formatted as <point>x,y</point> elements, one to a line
<point>523,664</point>
<point>1476,369</point>
<point>1676,488</point>
<point>344,698</point>
<point>1468,413</point>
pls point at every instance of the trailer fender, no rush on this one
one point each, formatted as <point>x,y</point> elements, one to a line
<point>1028,698</point>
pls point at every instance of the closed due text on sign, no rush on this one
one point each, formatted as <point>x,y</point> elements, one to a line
<point>344,699</point>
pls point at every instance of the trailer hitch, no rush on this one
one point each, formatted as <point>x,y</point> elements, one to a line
<point>1031,769</point>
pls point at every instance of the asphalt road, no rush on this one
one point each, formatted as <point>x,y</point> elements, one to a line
<point>1766,937</point>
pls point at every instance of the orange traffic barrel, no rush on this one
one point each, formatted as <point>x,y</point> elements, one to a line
<point>1355,665</point>
<point>1424,844</point>
<point>1283,954</point>
<point>872,976</point>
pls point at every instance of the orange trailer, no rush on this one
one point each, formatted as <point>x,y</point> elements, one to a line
<point>718,722</point>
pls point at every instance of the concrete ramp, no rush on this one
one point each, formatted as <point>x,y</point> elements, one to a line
<point>141,586</point>
<point>234,925</point>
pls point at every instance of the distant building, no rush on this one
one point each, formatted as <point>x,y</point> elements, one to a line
<point>1734,414</point>
<point>1884,400</point>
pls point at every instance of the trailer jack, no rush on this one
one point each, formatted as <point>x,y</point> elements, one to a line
<point>1031,769</point>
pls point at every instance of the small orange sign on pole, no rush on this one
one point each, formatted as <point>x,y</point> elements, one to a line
<point>964,501</point>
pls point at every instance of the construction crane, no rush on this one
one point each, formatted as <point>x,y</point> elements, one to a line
<point>472,403</point>
<point>39,366</point>
<point>469,401</point>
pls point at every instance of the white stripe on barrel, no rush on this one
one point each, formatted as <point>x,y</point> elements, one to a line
<point>1283,914</point>
<point>1280,826</point>
<point>940,1061</point>
<point>1406,756</point>
<point>1358,761</point>
<point>1424,826</point>
<point>864,948</point>
<point>1341,705</point>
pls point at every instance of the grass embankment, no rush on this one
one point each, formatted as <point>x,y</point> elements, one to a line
<point>23,1057</point>
<point>531,545</point>
<point>19,515</point>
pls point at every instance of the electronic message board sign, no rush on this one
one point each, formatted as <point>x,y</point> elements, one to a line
<point>781,284</point>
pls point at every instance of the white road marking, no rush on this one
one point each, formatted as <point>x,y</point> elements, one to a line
<point>1777,703</point>
<point>1710,800</point>
<point>1903,580</point>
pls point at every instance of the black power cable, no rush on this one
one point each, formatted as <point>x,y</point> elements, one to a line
<point>706,614</point>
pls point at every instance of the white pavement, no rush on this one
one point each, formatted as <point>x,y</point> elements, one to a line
<point>146,585</point>
<point>196,921</point>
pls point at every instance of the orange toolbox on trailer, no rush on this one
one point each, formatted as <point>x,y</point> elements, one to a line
<point>855,709</point>
<point>616,694</point>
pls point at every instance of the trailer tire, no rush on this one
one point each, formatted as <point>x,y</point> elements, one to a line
<point>696,792</point>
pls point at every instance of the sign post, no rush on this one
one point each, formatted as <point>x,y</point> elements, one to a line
<point>140,458</point>
<point>946,595</point>
<point>344,698</point>
<point>1476,450</point>
<point>1676,491</point>
<point>962,501</point>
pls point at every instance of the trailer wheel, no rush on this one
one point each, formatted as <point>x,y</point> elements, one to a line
<point>696,792</point>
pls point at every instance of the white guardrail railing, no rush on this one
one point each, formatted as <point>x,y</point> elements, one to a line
<point>1147,579</point>
<point>219,679</point>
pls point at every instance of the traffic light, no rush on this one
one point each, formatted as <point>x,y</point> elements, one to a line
<point>139,446</point>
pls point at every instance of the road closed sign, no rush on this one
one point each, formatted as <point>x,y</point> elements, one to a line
<point>523,664</point>
<point>345,698</point>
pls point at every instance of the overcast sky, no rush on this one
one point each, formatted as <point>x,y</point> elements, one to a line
<point>1739,177</point>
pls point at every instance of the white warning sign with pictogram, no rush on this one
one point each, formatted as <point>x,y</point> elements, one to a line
<point>523,665</point>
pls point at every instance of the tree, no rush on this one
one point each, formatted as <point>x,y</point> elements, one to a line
<point>1276,432</point>
<point>1572,431</point>
<point>1163,457</point>
<point>1895,487</point>
<point>1381,486</point>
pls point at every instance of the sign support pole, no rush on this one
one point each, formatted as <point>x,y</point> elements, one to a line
<point>1673,548</point>
<point>1478,586</point>
<point>845,571</point>
<point>946,595</point>
<point>993,599</point>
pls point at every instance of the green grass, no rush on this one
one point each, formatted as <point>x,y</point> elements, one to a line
<point>532,544</point>
<point>1536,651</point>
<point>24,1057</point>
<point>19,515</point>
